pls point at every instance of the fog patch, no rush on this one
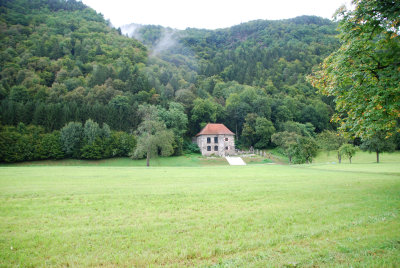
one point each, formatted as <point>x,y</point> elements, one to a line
<point>132,31</point>
<point>165,43</point>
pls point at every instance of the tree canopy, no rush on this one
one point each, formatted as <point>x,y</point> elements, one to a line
<point>363,75</point>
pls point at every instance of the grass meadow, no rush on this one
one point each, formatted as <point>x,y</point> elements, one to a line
<point>319,215</point>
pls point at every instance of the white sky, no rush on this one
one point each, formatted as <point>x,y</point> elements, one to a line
<point>208,14</point>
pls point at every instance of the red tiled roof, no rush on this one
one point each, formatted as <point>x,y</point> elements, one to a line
<point>215,129</point>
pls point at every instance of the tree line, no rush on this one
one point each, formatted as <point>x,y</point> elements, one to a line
<point>74,140</point>
<point>63,64</point>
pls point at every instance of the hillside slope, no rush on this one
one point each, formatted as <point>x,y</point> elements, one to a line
<point>269,59</point>
<point>62,62</point>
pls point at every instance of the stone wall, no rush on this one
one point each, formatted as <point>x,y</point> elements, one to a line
<point>226,145</point>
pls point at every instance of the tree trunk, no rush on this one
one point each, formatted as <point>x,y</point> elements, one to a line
<point>377,156</point>
<point>148,159</point>
<point>350,159</point>
<point>339,157</point>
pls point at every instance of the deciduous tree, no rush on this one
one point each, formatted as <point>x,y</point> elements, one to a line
<point>347,150</point>
<point>72,139</point>
<point>153,136</point>
<point>287,142</point>
<point>378,144</point>
<point>330,141</point>
<point>363,75</point>
<point>264,130</point>
<point>304,150</point>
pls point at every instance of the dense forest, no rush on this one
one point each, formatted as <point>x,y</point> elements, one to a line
<point>257,68</point>
<point>73,86</point>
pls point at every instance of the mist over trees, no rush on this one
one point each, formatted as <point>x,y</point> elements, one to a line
<point>73,84</point>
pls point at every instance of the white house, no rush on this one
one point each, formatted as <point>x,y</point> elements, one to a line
<point>216,139</point>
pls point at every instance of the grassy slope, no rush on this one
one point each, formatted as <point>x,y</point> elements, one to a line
<point>260,215</point>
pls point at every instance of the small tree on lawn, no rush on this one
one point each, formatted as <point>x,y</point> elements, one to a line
<point>286,141</point>
<point>304,150</point>
<point>378,143</point>
<point>153,136</point>
<point>330,140</point>
<point>347,150</point>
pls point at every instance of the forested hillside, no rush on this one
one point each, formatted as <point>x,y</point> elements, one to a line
<point>257,68</point>
<point>61,62</point>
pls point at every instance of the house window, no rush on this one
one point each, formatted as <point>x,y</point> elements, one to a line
<point>226,148</point>
<point>215,148</point>
<point>215,139</point>
<point>226,139</point>
<point>209,148</point>
<point>209,141</point>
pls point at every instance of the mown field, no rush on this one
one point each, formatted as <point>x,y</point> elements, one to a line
<point>215,216</point>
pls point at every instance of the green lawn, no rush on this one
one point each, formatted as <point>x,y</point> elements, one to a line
<point>215,216</point>
<point>190,160</point>
<point>359,158</point>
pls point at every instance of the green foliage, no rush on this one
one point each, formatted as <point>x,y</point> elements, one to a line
<point>191,148</point>
<point>378,143</point>
<point>263,53</point>
<point>176,120</point>
<point>363,75</point>
<point>96,141</point>
<point>249,132</point>
<point>94,150</point>
<point>296,141</point>
<point>204,111</point>
<point>91,131</point>
<point>347,150</point>
<point>264,130</point>
<point>306,130</point>
<point>27,143</point>
<point>51,146</point>
<point>153,136</point>
<point>304,150</point>
<point>123,144</point>
<point>287,142</point>
<point>72,139</point>
<point>66,53</point>
<point>330,140</point>
<point>255,68</point>
<point>62,62</point>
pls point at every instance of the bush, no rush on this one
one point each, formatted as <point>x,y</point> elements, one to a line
<point>94,150</point>
<point>191,148</point>
<point>123,144</point>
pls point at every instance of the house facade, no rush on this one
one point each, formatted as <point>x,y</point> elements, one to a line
<point>216,139</point>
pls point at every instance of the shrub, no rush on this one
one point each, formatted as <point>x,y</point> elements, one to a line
<point>191,148</point>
